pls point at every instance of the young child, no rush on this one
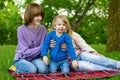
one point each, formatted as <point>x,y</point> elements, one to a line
<point>59,56</point>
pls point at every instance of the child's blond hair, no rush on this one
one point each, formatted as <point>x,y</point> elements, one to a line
<point>66,22</point>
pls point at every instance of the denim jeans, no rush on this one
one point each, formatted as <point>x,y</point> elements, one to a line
<point>36,65</point>
<point>64,65</point>
<point>88,61</point>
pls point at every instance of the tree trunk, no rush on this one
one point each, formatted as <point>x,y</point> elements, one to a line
<point>113,38</point>
<point>77,19</point>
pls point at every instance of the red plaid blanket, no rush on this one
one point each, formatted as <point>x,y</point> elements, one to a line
<point>72,75</point>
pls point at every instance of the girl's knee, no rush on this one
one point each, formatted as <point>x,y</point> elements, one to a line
<point>32,69</point>
<point>25,67</point>
<point>42,68</point>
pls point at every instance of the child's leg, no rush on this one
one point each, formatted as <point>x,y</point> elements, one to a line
<point>41,66</point>
<point>65,66</point>
<point>53,66</point>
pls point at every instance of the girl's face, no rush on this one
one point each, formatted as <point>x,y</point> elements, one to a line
<point>60,26</point>
<point>36,20</point>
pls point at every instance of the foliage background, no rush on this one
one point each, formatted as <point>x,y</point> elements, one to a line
<point>93,26</point>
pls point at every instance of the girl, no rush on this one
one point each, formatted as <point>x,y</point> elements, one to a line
<point>58,56</point>
<point>30,37</point>
<point>90,59</point>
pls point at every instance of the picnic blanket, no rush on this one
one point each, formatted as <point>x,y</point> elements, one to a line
<point>73,75</point>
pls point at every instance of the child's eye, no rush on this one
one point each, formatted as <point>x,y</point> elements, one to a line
<point>59,24</point>
<point>64,25</point>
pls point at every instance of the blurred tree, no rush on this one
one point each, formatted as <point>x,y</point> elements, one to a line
<point>75,9</point>
<point>2,3</point>
<point>10,19</point>
<point>113,39</point>
<point>87,17</point>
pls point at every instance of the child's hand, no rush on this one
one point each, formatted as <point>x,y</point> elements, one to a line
<point>45,59</point>
<point>74,64</point>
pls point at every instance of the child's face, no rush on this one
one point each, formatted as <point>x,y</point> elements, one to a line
<point>60,26</point>
<point>36,20</point>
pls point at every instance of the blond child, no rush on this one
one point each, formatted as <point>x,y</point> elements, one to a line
<point>59,56</point>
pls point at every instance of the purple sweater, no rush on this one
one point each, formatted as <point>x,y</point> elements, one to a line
<point>29,42</point>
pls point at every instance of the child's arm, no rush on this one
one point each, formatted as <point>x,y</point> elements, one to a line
<point>70,47</point>
<point>45,59</point>
<point>45,47</point>
<point>71,51</point>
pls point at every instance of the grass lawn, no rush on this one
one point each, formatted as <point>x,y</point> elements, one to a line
<point>7,55</point>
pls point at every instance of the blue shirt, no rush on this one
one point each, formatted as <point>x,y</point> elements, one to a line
<point>57,53</point>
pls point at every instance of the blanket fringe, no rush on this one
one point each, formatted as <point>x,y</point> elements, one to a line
<point>70,76</point>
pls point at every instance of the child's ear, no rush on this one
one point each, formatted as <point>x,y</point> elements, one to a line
<point>54,27</point>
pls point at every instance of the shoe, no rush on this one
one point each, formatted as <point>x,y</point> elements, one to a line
<point>12,68</point>
<point>66,75</point>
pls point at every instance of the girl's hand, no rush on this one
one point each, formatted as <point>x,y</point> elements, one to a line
<point>45,59</point>
<point>74,63</point>
<point>95,53</point>
<point>64,46</point>
<point>52,43</point>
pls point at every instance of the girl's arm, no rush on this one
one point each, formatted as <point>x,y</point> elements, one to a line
<point>81,43</point>
<point>24,48</point>
<point>52,43</point>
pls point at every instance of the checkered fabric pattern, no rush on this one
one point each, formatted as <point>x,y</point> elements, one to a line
<point>70,76</point>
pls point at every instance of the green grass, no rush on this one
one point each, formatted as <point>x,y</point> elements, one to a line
<point>7,56</point>
<point>6,59</point>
